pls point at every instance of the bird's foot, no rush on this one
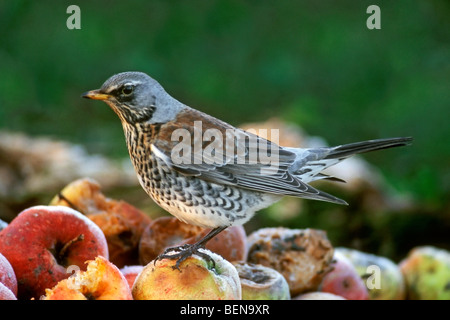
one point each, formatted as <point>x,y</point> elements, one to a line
<point>182,253</point>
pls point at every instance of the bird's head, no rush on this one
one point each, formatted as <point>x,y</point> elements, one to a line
<point>136,97</point>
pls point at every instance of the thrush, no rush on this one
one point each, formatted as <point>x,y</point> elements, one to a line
<point>206,172</point>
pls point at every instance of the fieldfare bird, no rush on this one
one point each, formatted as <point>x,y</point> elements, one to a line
<point>206,172</point>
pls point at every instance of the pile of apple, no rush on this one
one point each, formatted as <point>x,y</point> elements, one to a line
<point>85,246</point>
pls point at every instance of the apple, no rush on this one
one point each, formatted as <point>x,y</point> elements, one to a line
<point>344,280</point>
<point>231,243</point>
<point>43,241</point>
<point>121,222</point>
<point>123,226</point>
<point>427,273</point>
<point>302,256</point>
<point>161,233</point>
<point>131,272</point>
<point>7,275</point>
<point>317,295</point>
<point>6,293</point>
<point>196,279</point>
<point>102,280</point>
<point>165,232</point>
<point>382,276</point>
<point>261,283</point>
<point>3,224</point>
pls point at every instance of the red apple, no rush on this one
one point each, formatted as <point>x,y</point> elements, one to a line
<point>344,280</point>
<point>382,276</point>
<point>43,241</point>
<point>161,233</point>
<point>131,272</point>
<point>231,243</point>
<point>6,293</point>
<point>165,232</point>
<point>7,275</point>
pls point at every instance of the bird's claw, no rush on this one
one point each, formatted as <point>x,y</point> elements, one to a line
<point>182,253</point>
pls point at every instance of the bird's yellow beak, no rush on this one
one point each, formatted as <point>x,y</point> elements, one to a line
<point>95,95</point>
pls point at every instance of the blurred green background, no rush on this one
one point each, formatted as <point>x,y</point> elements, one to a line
<point>312,63</point>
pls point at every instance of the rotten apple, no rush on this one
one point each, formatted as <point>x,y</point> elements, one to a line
<point>197,279</point>
<point>382,277</point>
<point>43,241</point>
<point>102,280</point>
<point>131,272</point>
<point>302,256</point>
<point>165,232</point>
<point>121,223</point>
<point>261,283</point>
<point>426,270</point>
<point>344,280</point>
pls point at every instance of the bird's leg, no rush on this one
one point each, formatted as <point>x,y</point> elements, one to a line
<point>187,250</point>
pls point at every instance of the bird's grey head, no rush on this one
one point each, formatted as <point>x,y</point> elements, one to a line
<point>136,97</point>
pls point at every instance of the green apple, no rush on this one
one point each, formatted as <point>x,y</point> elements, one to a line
<point>427,273</point>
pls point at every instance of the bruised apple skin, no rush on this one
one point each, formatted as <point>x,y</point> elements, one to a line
<point>317,295</point>
<point>43,241</point>
<point>102,280</point>
<point>121,222</point>
<point>6,293</point>
<point>165,232</point>
<point>7,275</point>
<point>261,283</point>
<point>302,256</point>
<point>344,280</point>
<point>427,273</point>
<point>131,272</point>
<point>197,279</point>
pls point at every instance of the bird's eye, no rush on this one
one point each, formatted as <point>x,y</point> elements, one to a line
<point>127,90</point>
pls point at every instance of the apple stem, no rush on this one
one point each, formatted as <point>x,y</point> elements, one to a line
<point>63,250</point>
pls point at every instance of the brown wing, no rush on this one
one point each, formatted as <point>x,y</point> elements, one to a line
<point>222,154</point>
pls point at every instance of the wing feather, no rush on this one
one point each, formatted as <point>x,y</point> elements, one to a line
<point>246,167</point>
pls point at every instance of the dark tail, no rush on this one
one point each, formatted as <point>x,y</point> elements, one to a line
<point>350,149</point>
